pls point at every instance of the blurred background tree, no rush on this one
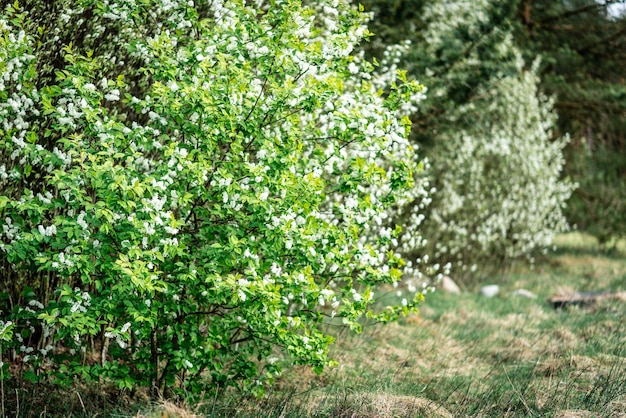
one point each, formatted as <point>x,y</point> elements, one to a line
<point>485,126</point>
<point>583,49</point>
<point>463,51</point>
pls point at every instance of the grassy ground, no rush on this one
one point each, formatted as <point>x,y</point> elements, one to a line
<point>465,355</point>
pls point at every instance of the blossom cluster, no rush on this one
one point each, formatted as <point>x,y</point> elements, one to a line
<point>494,162</point>
<point>203,183</point>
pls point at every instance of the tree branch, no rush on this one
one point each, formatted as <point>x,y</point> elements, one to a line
<point>575,12</point>
<point>609,38</point>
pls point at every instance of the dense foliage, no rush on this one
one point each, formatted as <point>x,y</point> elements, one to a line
<point>582,43</point>
<point>189,190</point>
<point>500,195</point>
<point>486,129</point>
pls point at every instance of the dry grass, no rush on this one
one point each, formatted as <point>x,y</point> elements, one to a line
<point>463,351</point>
<point>383,405</point>
<point>166,409</point>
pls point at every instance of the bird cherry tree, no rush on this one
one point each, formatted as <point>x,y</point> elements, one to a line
<point>189,190</point>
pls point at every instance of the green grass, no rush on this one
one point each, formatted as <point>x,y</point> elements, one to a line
<point>464,355</point>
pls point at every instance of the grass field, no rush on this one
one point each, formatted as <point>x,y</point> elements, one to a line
<point>466,355</point>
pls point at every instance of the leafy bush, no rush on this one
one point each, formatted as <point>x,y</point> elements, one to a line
<point>189,190</point>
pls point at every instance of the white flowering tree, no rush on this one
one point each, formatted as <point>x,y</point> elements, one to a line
<point>189,190</point>
<point>499,178</point>
<point>497,166</point>
<point>486,130</point>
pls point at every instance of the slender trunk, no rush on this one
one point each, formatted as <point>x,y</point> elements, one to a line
<point>104,350</point>
<point>154,384</point>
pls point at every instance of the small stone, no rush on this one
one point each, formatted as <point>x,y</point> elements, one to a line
<point>524,293</point>
<point>449,286</point>
<point>490,290</point>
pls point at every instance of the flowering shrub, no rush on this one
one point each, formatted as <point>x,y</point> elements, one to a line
<point>508,201</point>
<point>486,130</point>
<point>188,191</point>
<point>497,167</point>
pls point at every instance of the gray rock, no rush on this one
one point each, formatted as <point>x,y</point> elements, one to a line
<point>524,293</point>
<point>449,286</point>
<point>490,290</point>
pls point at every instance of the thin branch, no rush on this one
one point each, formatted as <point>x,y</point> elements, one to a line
<point>609,38</point>
<point>575,12</point>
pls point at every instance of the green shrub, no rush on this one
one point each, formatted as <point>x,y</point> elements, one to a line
<point>189,190</point>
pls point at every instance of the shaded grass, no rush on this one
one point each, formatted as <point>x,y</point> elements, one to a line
<point>581,241</point>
